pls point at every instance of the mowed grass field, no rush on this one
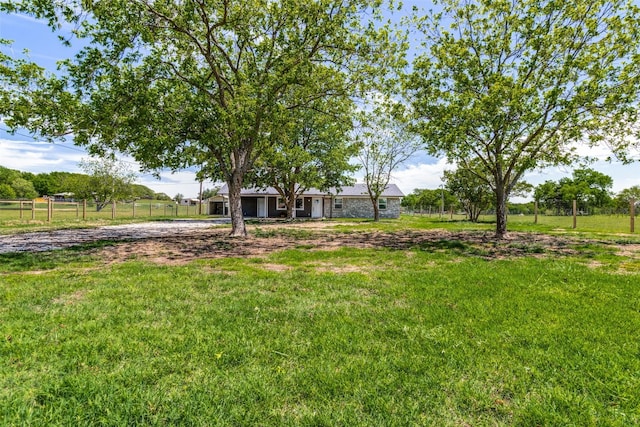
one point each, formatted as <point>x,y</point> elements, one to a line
<point>429,335</point>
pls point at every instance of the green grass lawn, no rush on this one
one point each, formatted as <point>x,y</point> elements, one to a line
<point>304,337</point>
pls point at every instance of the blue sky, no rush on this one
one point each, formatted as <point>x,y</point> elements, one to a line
<point>23,153</point>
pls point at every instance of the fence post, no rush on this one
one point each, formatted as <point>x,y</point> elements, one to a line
<point>77,210</point>
<point>21,202</point>
<point>134,209</point>
<point>575,213</point>
<point>633,215</point>
<point>113,210</point>
<point>33,209</point>
<point>49,210</point>
<point>535,210</point>
<point>84,209</point>
<point>150,206</point>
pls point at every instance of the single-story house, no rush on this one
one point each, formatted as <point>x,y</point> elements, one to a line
<point>63,197</point>
<point>349,202</point>
<point>189,202</point>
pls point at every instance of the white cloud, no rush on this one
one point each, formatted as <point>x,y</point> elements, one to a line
<point>65,26</point>
<point>28,18</point>
<point>38,157</point>
<point>43,157</point>
<point>183,182</point>
<point>421,175</point>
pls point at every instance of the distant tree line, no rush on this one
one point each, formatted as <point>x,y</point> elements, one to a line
<point>17,185</point>
<point>461,190</point>
<point>590,189</point>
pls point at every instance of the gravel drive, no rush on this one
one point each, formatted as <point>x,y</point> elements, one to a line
<point>58,239</point>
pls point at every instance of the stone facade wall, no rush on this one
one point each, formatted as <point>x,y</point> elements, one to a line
<point>361,207</point>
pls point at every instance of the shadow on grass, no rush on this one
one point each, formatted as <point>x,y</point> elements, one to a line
<point>457,247</point>
<point>48,260</point>
<point>473,244</point>
<point>450,245</point>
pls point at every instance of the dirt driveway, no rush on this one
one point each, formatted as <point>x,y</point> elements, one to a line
<point>59,239</point>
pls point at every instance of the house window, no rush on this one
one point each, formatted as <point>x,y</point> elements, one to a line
<point>281,205</point>
<point>337,203</point>
<point>382,204</point>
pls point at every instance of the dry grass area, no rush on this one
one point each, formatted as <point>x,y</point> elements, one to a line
<point>215,243</point>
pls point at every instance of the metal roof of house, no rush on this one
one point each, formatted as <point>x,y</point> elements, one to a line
<point>357,190</point>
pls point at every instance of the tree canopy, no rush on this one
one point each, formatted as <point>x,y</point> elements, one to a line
<point>473,193</point>
<point>589,188</point>
<point>623,199</point>
<point>110,180</point>
<point>182,83</point>
<point>431,200</point>
<point>516,85</point>
<point>385,144</point>
<point>314,151</point>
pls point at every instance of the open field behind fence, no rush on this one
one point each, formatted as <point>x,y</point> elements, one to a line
<point>615,223</point>
<point>28,210</point>
<point>26,213</point>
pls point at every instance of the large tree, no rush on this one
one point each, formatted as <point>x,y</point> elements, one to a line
<point>623,199</point>
<point>207,83</point>
<point>24,189</point>
<point>473,192</point>
<point>313,151</point>
<point>516,84</point>
<point>588,187</point>
<point>109,180</point>
<point>385,144</point>
<point>7,176</point>
<point>433,200</point>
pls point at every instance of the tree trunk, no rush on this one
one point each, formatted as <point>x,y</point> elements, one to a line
<point>376,210</point>
<point>291,204</point>
<point>238,227</point>
<point>474,213</point>
<point>291,201</point>
<point>501,211</point>
<point>100,206</point>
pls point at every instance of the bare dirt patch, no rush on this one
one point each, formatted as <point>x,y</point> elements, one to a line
<point>275,267</point>
<point>343,269</point>
<point>215,243</point>
<point>631,251</point>
<point>70,299</point>
<point>175,244</point>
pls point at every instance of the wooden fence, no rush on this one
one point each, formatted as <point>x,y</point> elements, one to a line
<point>632,214</point>
<point>49,210</point>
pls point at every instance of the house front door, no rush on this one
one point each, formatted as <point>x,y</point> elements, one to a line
<point>316,208</point>
<point>262,208</point>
